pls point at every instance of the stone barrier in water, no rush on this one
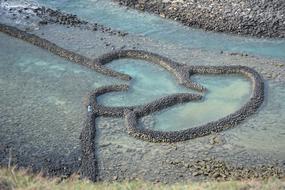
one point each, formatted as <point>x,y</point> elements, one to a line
<point>132,114</point>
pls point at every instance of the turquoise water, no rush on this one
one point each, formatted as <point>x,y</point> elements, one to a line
<point>154,27</point>
<point>225,95</point>
<point>152,82</point>
<point>149,82</point>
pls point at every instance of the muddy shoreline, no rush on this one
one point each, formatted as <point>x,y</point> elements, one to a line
<point>244,17</point>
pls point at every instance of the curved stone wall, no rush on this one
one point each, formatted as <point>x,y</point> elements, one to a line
<point>132,114</point>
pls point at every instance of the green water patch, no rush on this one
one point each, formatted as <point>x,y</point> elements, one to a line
<point>225,95</point>
<point>149,82</point>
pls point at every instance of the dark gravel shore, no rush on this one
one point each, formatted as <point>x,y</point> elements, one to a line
<point>261,18</point>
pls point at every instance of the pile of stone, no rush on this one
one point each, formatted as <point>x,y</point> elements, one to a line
<point>220,170</point>
<point>43,15</point>
<point>55,16</point>
<point>261,18</point>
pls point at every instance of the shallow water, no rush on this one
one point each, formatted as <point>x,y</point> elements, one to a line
<point>225,95</point>
<point>150,83</point>
<point>109,14</point>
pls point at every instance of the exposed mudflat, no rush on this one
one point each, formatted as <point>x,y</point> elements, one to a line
<point>43,113</point>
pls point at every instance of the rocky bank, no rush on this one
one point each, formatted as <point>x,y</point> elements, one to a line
<point>261,18</point>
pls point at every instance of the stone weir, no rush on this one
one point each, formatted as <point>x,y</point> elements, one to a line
<point>132,114</point>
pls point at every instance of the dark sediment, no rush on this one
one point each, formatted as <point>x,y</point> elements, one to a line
<point>247,17</point>
<point>220,170</point>
<point>53,16</point>
<point>133,113</point>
